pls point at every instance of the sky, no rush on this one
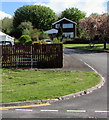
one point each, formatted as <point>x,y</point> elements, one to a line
<point>8,7</point>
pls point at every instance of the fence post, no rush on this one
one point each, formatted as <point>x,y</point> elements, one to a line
<point>31,58</point>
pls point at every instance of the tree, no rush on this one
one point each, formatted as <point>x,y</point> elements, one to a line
<point>96,26</point>
<point>25,32</point>
<point>103,28</point>
<point>0,25</point>
<point>41,17</point>
<point>43,35</point>
<point>25,25</point>
<point>25,28</point>
<point>73,14</point>
<point>35,34</point>
<point>88,26</point>
<point>7,25</point>
<point>60,34</point>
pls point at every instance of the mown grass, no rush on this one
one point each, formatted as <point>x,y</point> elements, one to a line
<point>27,85</point>
<point>97,47</point>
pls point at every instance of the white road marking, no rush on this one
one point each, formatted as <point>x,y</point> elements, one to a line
<point>102,111</point>
<point>49,110</point>
<point>81,60</point>
<point>23,110</point>
<point>90,67</point>
<point>95,71</point>
<point>78,111</point>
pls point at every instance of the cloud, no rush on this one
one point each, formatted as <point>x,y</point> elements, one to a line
<point>3,15</point>
<point>23,0</point>
<point>88,6</point>
<point>108,7</point>
<point>43,4</point>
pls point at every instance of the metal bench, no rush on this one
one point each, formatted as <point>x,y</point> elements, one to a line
<point>24,60</point>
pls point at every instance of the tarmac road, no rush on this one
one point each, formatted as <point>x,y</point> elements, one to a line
<point>93,105</point>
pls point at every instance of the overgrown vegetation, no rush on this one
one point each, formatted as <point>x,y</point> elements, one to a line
<point>27,85</point>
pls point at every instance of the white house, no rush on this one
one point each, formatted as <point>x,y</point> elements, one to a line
<point>6,38</point>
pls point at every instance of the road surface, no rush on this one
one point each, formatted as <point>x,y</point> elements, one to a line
<point>93,105</point>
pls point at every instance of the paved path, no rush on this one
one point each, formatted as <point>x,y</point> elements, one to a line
<point>93,105</point>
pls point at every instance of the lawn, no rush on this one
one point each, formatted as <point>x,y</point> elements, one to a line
<point>27,85</point>
<point>98,47</point>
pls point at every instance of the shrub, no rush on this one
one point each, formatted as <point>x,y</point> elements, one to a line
<point>16,41</point>
<point>43,35</point>
<point>55,41</point>
<point>25,32</point>
<point>39,42</point>
<point>25,39</point>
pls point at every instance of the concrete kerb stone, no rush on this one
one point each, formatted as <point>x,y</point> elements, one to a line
<point>66,97</point>
<point>87,91</point>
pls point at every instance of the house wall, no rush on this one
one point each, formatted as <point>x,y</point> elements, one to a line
<point>66,30</point>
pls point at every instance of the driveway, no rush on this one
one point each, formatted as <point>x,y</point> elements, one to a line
<point>93,105</point>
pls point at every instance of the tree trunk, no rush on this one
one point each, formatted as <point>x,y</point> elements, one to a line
<point>104,44</point>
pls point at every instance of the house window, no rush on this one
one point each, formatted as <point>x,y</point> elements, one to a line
<point>67,25</point>
<point>57,25</point>
<point>69,34</point>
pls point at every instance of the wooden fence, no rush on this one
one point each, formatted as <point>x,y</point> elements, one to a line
<point>37,56</point>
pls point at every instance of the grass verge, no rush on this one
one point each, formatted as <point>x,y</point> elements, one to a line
<point>27,85</point>
<point>97,47</point>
